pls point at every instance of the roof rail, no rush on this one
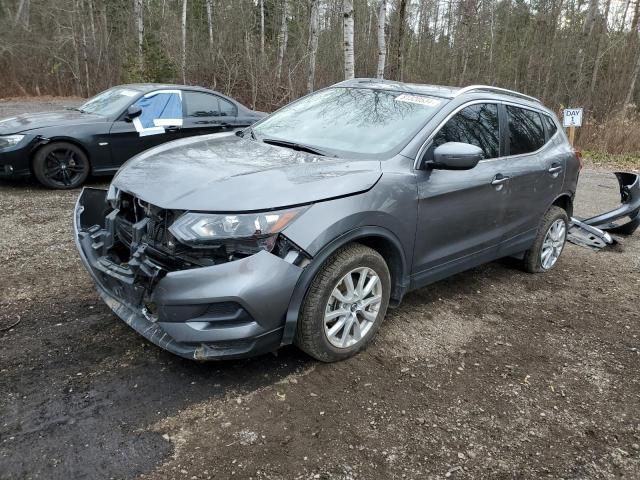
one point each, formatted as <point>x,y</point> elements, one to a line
<point>488,88</point>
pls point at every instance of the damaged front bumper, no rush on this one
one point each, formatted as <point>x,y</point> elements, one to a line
<point>594,232</point>
<point>229,310</point>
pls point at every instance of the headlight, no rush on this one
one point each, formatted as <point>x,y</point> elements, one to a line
<point>7,141</point>
<point>205,229</point>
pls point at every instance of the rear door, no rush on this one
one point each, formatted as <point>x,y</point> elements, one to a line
<point>534,167</point>
<point>461,212</point>
<point>206,113</point>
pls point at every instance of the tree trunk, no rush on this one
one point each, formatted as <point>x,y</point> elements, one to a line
<point>596,67</point>
<point>92,21</point>
<point>349,62</point>
<point>85,59</point>
<point>557,12</point>
<point>184,41</point>
<point>210,23</point>
<point>382,42</point>
<point>262,27</point>
<point>636,17</point>
<point>138,13</point>
<point>313,44</point>
<point>632,84</point>
<point>587,29</point>
<point>283,38</point>
<point>22,14</point>
<point>402,11</point>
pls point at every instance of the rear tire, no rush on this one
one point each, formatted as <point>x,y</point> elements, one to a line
<point>345,304</point>
<point>61,165</point>
<point>549,243</point>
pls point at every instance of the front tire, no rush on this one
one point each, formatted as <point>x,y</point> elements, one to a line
<point>61,165</point>
<point>345,304</point>
<point>549,243</point>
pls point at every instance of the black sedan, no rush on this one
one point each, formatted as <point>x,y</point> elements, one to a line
<point>62,148</point>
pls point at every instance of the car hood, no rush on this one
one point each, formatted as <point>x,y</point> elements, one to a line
<point>226,173</point>
<point>31,121</point>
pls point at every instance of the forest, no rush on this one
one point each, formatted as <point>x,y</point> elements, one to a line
<point>265,53</point>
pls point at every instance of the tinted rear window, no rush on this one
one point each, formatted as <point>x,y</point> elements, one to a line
<point>227,109</point>
<point>550,125</point>
<point>201,104</point>
<point>526,133</point>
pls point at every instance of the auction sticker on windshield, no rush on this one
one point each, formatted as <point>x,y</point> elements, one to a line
<point>428,101</point>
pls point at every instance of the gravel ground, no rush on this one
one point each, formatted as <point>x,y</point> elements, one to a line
<point>493,373</point>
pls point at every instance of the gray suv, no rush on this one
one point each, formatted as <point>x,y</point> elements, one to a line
<point>305,227</point>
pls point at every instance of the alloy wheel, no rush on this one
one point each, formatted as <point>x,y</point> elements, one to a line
<point>62,167</point>
<point>353,307</point>
<point>553,244</point>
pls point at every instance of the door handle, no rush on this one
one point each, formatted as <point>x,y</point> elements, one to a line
<point>555,168</point>
<point>499,179</point>
<point>172,128</point>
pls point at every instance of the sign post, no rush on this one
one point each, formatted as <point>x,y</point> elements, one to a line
<point>572,119</point>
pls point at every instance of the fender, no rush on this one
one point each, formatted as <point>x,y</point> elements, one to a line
<point>38,142</point>
<point>304,282</point>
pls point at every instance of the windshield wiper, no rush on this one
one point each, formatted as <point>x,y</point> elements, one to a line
<point>77,109</point>
<point>297,146</point>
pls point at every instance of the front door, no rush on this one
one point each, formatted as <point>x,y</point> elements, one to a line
<point>160,122</point>
<point>461,212</point>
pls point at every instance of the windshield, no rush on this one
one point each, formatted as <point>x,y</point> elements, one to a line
<point>356,122</point>
<point>110,102</point>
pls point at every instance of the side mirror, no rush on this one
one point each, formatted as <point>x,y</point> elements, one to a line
<point>456,156</point>
<point>132,112</point>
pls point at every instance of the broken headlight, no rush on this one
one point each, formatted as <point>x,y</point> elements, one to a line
<point>7,141</point>
<point>250,231</point>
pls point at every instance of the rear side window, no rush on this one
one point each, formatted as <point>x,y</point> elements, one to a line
<point>201,104</point>
<point>476,124</point>
<point>526,133</point>
<point>227,109</point>
<point>550,125</point>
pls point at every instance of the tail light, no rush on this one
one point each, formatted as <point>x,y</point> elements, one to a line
<point>579,157</point>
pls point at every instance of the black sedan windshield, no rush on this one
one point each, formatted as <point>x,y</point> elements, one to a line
<point>110,102</point>
<point>351,121</point>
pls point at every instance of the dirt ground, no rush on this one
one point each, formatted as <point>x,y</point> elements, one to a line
<point>493,373</point>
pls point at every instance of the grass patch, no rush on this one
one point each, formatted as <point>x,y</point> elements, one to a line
<point>622,161</point>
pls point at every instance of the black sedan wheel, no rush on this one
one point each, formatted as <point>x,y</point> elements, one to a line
<point>61,165</point>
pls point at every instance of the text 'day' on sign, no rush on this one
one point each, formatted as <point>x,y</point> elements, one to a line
<point>572,117</point>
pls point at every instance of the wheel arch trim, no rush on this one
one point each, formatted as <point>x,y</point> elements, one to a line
<point>398,269</point>
<point>564,201</point>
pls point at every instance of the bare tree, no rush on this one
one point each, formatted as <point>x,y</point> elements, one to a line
<point>632,84</point>
<point>210,23</point>
<point>349,62</point>
<point>382,42</point>
<point>402,11</point>
<point>184,41</point>
<point>22,14</point>
<point>138,15</point>
<point>77,47</point>
<point>314,25</point>
<point>262,27</point>
<point>283,38</point>
<point>85,56</point>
